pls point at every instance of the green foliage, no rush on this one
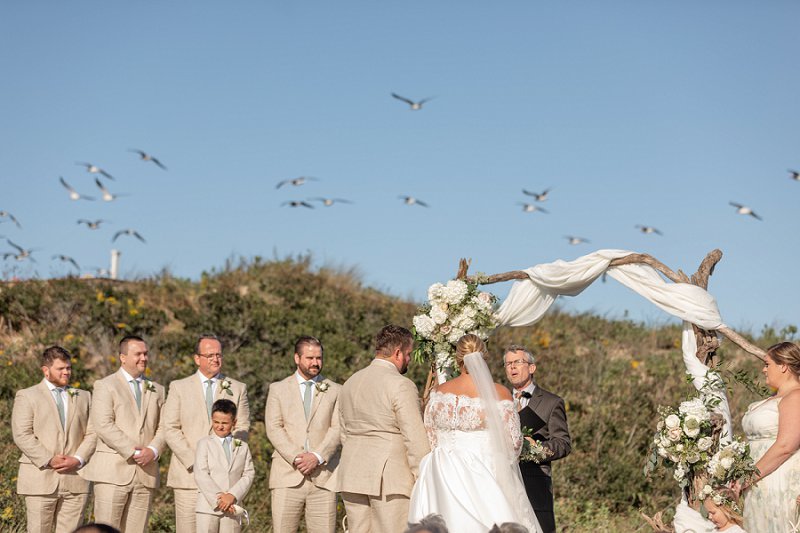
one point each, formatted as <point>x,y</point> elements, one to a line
<point>612,374</point>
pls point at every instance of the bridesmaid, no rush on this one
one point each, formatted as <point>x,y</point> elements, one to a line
<point>773,432</point>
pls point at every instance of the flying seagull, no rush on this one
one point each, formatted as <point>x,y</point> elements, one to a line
<point>415,106</point>
<point>92,224</point>
<point>94,169</point>
<point>539,197</point>
<point>128,231</point>
<point>530,208</point>
<point>67,259</point>
<point>410,200</point>
<point>298,203</point>
<point>296,181</point>
<point>648,229</point>
<point>744,210</point>
<point>327,202</point>
<point>73,194</point>
<point>576,240</point>
<point>12,218</point>
<point>23,254</point>
<point>107,196</point>
<point>147,157</point>
<point>795,175</point>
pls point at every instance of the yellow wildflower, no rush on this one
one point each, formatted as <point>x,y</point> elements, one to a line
<point>76,384</point>
<point>112,359</point>
<point>148,372</point>
<point>121,325</point>
<point>100,296</point>
<point>111,300</point>
<point>8,513</point>
<point>9,363</point>
<point>544,340</point>
<point>635,364</point>
<point>133,312</point>
<point>68,337</point>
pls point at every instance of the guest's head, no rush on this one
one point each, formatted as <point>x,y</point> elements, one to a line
<point>308,356</point>
<point>96,528</point>
<point>782,363</point>
<point>133,355</point>
<point>520,366</point>
<point>223,417</point>
<point>724,511</point>
<point>208,355</point>
<point>433,523</point>
<point>57,366</point>
<point>395,344</point>
<point>469,343</point>
<point>509,527</point>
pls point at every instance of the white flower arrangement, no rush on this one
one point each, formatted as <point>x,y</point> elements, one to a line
<point>237,443</point>
<point>453,310</point>
<point>322,386</point>
<point>72,391</point>
<point>226,385</point>
<point>148,385</point>
<point>532,450</point>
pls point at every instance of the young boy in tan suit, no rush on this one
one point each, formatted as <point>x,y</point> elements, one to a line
<point>223,470</point>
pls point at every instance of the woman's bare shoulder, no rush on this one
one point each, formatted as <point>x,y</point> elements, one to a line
<point>502,392</point>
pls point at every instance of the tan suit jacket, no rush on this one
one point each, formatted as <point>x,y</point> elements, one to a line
<point>213,474</point>
<point>37,431</point>
<point>186,421</point>
<point>383,438</point>
<point>287,430</point>
<point>120,427</point>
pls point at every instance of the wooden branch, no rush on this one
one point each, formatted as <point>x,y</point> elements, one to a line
<point>743,343</point>
<point>463,265</point>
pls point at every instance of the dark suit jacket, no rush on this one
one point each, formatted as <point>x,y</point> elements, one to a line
<point>546,416</point>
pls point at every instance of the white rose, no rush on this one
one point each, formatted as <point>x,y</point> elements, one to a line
<point>672,421</point>
<point>444,330</point>
<point>665,442</point>
<point>435,292</point>
<point>679,473</point>
<point>424,325</point>
<point>662,452</point>
<point>660,425</point>
<point>438,314</point>
<point>707,490</point>
<point>691,426</point>
<point>704,443</point>
<point>726,462</point>
<point>692,457</point>
<point>679,448</point>
<point>674,434</point>
<point>695,408</point>
<point>455,334</point>
<point>455,291</point>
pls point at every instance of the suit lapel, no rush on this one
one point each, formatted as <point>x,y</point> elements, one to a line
<point>124,389</point>
<point>295,398</point>
<point>73,407</point>
<point>316,401</point>
<point>145,402</point>
<point>234,453</point>
<point>50,401</point>
<point>536,399</point>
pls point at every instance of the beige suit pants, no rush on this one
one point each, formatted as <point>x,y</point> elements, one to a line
<point>209,523</point>
<point>288,504</point>
<point>62,508</point>
<point>185,505</point>
<point>373,514</point>
<point>126,507</point>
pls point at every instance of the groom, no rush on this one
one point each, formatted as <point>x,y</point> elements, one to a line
<point>544,414</point>
<point>383,438</point>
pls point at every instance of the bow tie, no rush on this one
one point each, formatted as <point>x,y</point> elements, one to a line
<point>523,394</point>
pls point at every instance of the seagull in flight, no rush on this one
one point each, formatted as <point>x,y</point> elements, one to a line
<point>576,240</point>
<point>795,175</point>
<point>648,229</point>
<point>297,203</point>
<point>12,218</point>
<point>296,181</point>
<point>92,224</point>
<point>539,197</point>
<point>744,210</point>
<point>67,259</point>
<point>530,208</point>
<point>128,231</point>
<point>107,196</point>
<point>144,156</point>
<point>327,202</point>
<point>415,106</point>
<point>73,194</point>
<point>410,200</point>
<point>23,254</point>
<point>94,169</point>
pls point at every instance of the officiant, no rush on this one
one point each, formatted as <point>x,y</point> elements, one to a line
<point>544,414</point>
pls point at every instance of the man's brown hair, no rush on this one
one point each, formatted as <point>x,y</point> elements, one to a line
<point>391,337</point>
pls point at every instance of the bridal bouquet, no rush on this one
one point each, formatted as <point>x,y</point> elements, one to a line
<point>532,450</point>
<point>453,310</point>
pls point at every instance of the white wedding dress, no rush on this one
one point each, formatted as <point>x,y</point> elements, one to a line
<point>461,479</point>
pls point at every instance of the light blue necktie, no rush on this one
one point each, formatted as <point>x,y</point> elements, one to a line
<point>226,445</point>
<point>307,398</point>
<point>209,396</point>
<point>137,393</point>
<point>60,406</point>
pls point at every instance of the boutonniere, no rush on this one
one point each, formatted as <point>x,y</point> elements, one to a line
<point>148,386</point>
<point>322,386</point>
<point>72,391</point>
<point>237,443</point>
<point>225,385</point>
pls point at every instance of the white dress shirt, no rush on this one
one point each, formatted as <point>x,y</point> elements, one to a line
<point>140,379</point>
<point>523,401</point>
<point>214,383</point>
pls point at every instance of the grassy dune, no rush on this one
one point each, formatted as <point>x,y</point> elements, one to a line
<point>612,374</point>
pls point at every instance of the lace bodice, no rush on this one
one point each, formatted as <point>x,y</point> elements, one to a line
<point>447,412</point>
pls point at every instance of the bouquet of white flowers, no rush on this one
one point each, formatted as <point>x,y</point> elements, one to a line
<point>532,450</point>
<point>453,310</point>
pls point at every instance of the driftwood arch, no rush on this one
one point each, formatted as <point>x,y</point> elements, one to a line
<point>707,340</point>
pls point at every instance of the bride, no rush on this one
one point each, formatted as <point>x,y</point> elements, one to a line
<point>471,477</point>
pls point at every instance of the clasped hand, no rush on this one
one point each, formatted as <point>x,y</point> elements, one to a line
<point>225,501</point>
<point>306,463</point>
<point>64,464</point>
<point>144,457</point>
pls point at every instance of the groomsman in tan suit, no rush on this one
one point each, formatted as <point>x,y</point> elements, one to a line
<point>50,424</point>
<point>187,419</point>
<point>302,422</point>
<point>383,437</point>
<point>126,415</point>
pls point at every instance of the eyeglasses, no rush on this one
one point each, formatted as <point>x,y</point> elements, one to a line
<point>515,364</point>
<point>210,355</point>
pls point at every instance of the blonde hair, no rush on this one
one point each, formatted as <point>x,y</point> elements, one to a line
<point>786,353</point>
<point>467,344</point>
<point>729,505</point>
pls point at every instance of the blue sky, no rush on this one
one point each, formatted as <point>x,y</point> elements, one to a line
<point>648,113</point>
